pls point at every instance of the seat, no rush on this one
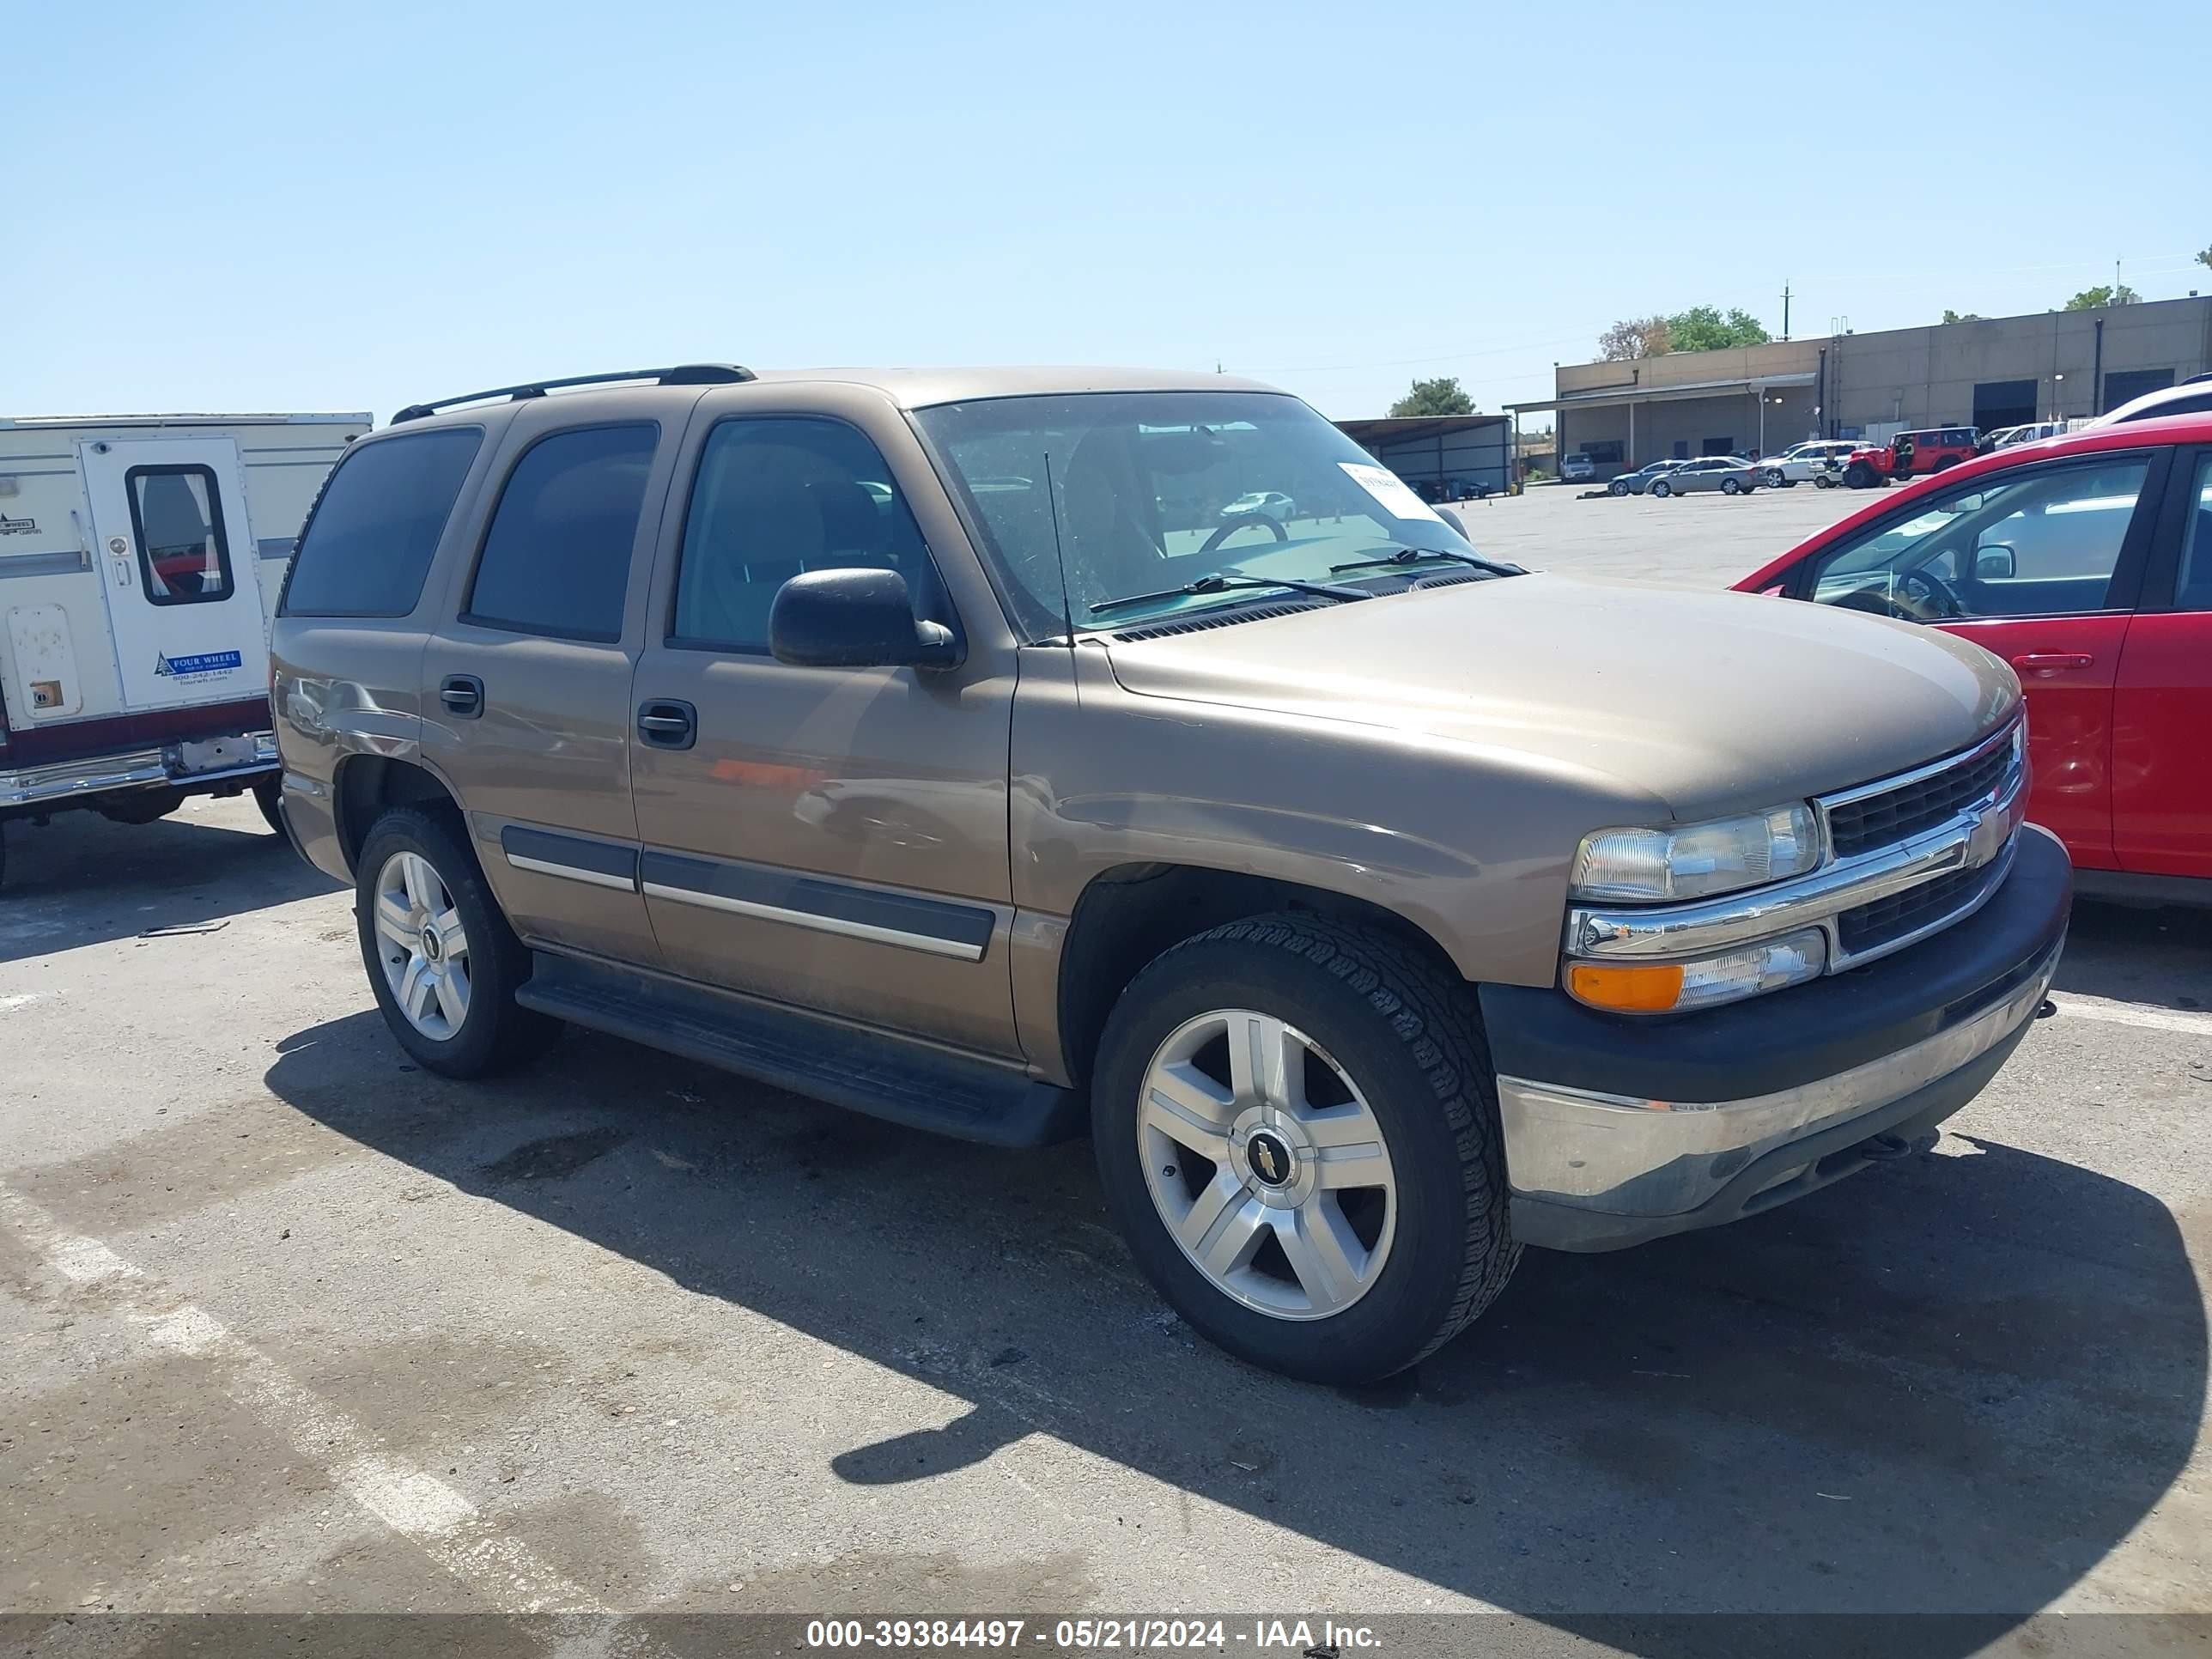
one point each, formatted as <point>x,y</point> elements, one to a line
<point>766,530</point>
<point>854,530</point>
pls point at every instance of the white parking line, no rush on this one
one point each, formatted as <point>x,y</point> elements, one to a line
<point>2075,1006</point>
<point>436,1518</point>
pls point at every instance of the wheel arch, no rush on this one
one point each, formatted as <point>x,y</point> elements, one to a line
<point>365,786</point>
<point>1129,914</point>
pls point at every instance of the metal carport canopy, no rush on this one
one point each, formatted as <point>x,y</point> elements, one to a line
<point>1612,397</point>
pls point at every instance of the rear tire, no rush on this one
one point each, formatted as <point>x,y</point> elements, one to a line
<point>461,983</point>
<point>1318,1272</point>
<point>1730,487</point>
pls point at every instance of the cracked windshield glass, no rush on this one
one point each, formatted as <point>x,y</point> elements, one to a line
<point>1153,491</point>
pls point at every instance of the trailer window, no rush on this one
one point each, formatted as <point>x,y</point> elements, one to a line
<point>176,517</point>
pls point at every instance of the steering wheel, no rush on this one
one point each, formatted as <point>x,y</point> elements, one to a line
<point>1929,595</point>
<point>1237,521</point>
<point>1934,599</point>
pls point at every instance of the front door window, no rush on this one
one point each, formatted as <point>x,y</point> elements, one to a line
<point>2039,542</point>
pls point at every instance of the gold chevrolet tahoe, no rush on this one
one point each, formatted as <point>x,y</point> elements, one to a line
<point>1016,752</point>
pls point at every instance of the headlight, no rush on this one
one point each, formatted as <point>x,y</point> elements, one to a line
<point>1674,987</point>
<point>1698,859</point>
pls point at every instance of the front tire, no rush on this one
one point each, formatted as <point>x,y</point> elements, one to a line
<point>1297,1128</point>
<point>442,959</point>
<point>1662,489</point>
<point>1617,487</point>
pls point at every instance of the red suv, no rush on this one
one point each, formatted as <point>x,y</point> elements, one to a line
<point>2086,562</point>
<point>1911,454</point>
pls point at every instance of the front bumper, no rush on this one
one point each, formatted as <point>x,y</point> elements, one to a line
<point>1620,1130</point>
<point>61,784</point>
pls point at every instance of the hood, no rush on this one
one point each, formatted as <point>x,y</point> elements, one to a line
<point>1713,702</point>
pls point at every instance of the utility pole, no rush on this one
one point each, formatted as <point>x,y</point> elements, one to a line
<point>1785,309</point>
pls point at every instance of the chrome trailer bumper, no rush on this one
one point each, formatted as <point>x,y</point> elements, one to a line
<point>192,764</point>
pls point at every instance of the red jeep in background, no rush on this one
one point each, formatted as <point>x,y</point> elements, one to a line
<point>1911,454</point>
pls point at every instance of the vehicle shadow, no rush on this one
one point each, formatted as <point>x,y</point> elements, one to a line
<point>1952,1384</point>
<point>2159,956</point>
<point>82,880</point>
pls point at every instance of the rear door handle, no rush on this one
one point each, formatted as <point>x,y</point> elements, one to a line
<point>2044,664</point>
<point>463,695</point>
<point>668,723</point>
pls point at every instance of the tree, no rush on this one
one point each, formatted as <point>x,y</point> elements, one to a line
<point>2104,293</point>
<point>1633,337</point>
<point>1951,316</point>
<point>1441,396</point>
<point>2205,257</point>
<point>1701,328</point>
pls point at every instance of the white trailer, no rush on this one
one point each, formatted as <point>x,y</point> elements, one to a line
<point>140,556</point>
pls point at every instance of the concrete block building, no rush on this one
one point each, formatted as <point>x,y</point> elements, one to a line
<point>1987,372</point>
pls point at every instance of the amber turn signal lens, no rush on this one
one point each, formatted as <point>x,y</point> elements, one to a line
<point>1637,988</point>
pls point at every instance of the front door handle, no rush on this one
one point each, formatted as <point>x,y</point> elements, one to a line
<point>668,723</point>
<point>2044,664</point>
<point>463,695</point>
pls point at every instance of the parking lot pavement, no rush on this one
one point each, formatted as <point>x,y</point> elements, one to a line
<point>290,1325</point>
<point>1705,540</point>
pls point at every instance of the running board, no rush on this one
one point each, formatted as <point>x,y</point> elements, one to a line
<point>905,1082</point>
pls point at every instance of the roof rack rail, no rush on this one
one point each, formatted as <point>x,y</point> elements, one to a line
<point>681,374</point>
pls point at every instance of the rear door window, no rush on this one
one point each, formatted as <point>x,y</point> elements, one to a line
<point>369,542</point>
<point>556,558</point>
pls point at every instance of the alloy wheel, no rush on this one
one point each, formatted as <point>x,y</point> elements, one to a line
<point>1267,1164</point>
<point>422,945</point>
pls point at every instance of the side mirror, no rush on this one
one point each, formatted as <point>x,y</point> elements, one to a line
<point>1994,561</point>
<point>859,618</point>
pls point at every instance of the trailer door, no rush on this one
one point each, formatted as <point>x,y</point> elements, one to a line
<point>177,561</point>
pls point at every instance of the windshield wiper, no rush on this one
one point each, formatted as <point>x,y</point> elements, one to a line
<point>1405,555</point>
<point>1225,581</point>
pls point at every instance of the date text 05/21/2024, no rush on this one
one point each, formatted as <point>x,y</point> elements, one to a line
<point>1322,1639</point>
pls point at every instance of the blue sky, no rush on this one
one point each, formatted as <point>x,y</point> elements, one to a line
<point>320,207</point>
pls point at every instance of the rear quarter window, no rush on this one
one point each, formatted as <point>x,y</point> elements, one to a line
<point>368,541</point>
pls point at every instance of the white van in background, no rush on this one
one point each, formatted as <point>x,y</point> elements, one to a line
<point>140,556</point>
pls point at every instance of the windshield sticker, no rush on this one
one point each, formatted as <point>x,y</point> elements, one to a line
<point>1390,490</point>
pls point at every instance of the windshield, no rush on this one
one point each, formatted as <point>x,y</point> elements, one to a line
<point>1151,491</point>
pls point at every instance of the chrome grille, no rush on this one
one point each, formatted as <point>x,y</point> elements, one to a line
<point>1889,816</point>
<point>1869,927</point>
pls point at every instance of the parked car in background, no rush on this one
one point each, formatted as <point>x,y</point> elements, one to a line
<point>1271,503</point>
<point>1909,454</point>
<point>1577,468</point>
<point>2086,562</point>
<point>1636,483</point>
<point>2192,397</point>
<point>1367,959</point>
<point>2031,432</point>
<point>1731,475</point>
<point>1803,463</point>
